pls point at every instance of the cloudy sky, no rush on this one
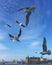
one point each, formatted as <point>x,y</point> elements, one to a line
<point>40,25</point>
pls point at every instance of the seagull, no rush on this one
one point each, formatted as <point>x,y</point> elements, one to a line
<point>8,25</point>
<point>20,24</point>
<point>28,11</point>
<point>44,46</point>
<point>15,37</point>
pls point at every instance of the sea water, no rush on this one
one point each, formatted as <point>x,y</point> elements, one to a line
<point>25,64</point>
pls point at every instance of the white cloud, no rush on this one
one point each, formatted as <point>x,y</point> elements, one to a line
<point>3,47</point>
<point>33,33</point>
<point>2,35</point>
<point>34,44</point>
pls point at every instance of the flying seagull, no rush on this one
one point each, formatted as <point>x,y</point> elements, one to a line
<point>20,24</point>
<point>8,25</point>
<point>28,11</point>
<point>44,46</point>
<point>15,37</point>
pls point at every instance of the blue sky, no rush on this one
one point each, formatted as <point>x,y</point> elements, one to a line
<point>40,25</point>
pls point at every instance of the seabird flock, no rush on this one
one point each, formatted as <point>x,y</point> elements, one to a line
<point>27,11</point>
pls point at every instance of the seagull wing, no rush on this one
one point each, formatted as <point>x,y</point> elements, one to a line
<point>8,25</point>
<point>19,34</point>
<point>17,22</point>
<point>23,25</point>
<point>27,18</point>
<point>24,8</point>
<point>44,46</point>
<point>11,36</point>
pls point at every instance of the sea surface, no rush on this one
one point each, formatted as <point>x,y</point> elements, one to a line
<point>25,64</point>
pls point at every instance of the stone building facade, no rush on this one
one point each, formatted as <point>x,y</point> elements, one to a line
<point>33,60</point>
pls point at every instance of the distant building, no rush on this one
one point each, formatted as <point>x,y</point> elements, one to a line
<point>14,62</point>
<point>33,60</point>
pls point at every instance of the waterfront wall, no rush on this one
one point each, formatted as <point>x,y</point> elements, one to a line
<point>37,60</point>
